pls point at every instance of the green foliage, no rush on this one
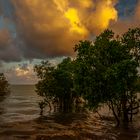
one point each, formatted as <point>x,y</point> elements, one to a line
<point>4,86</point>
<point>45,74</point>
<point>56,83</point>
<point>108,70</point>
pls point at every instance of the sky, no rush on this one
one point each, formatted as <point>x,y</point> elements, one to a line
<point>36,30</point>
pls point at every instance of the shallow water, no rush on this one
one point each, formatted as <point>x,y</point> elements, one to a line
<point>20,105</point>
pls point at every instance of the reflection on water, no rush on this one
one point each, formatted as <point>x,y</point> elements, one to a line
<point>20,105</point>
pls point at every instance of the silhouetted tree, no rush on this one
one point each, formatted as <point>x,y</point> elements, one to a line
<point>56,83</point>
<point>107,72</point>
<point>4,85</point>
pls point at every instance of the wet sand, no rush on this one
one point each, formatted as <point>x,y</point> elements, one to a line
<point>67,127</point>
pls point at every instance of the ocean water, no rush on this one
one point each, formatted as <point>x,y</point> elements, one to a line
<point>20,105</point>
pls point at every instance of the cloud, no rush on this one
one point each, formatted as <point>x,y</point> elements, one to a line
<point>8,50</point>
<point>24,67</point>
<point>20,73</point>
<point>122,25</point>
<point>50,28</point>
<point>137,11</point>
<point>100,18</point>
<point>4,38</point>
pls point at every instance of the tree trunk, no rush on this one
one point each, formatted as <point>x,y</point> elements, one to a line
<point>124,111</point>
<point>115,115</point>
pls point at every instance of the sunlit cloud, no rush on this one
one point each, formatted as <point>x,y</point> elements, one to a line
<point>52,28</point>
<point>21,72</point>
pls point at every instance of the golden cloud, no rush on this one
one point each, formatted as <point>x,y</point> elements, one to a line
<point>52,27</point>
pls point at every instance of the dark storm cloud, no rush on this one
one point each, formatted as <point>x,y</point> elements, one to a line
<point>24,66</point>
<point>8,49</point>
<point>1,64</point>
<point>7,8</point>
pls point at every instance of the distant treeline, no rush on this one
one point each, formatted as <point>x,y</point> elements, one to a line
<point>104,71</point>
